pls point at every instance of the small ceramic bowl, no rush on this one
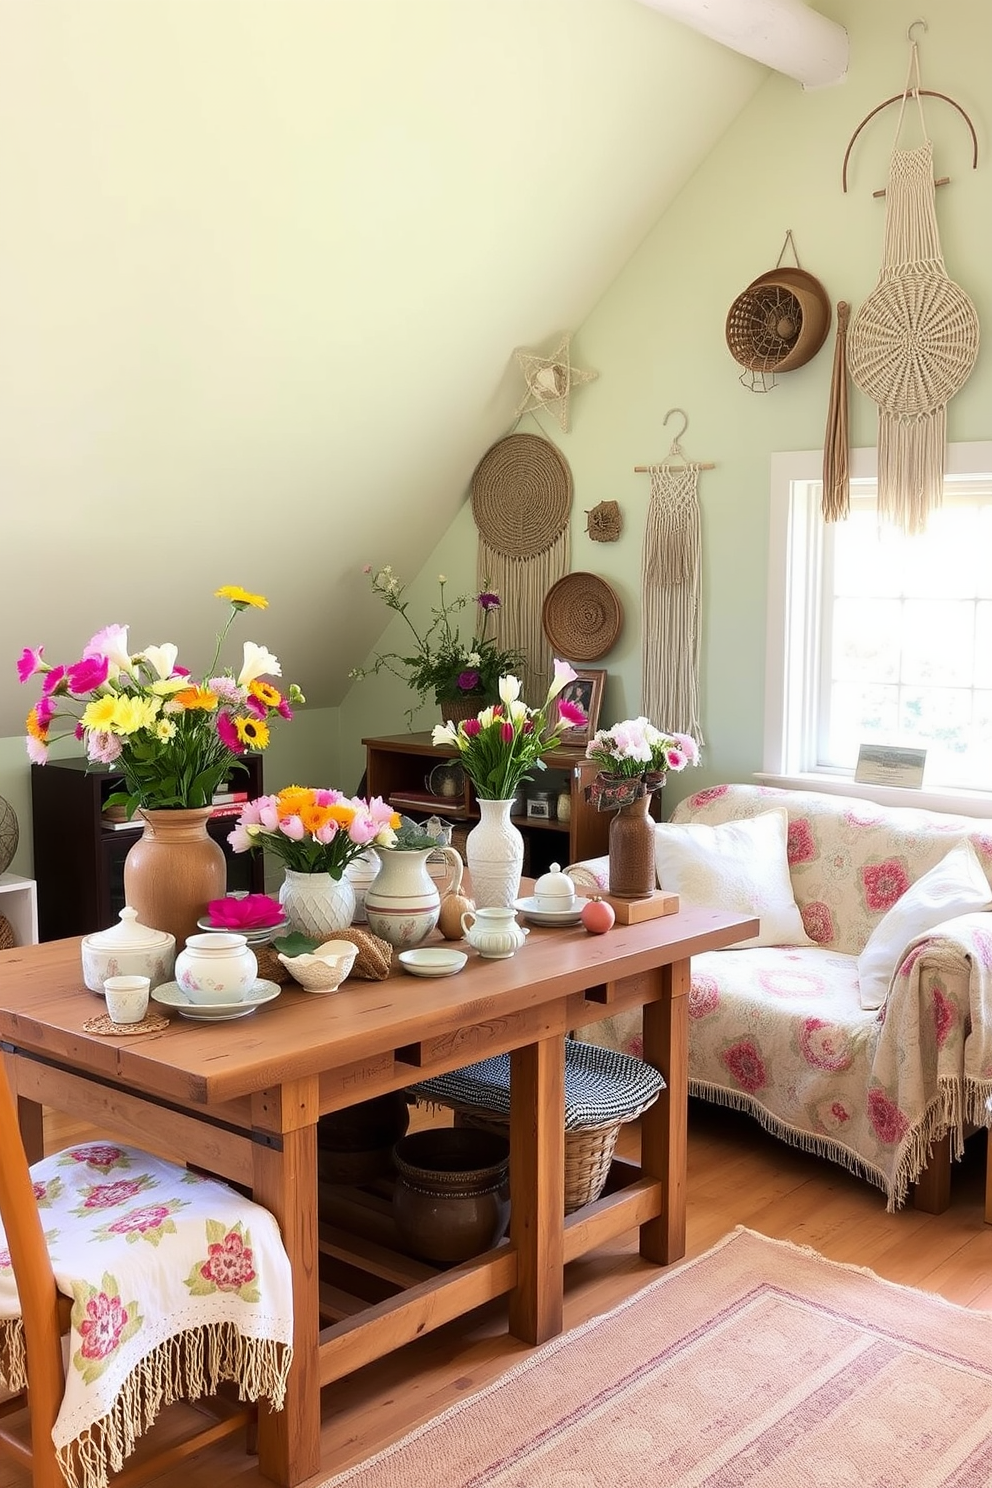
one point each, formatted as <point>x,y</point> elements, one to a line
<point>325,969</point>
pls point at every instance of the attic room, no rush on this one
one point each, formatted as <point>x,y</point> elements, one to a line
<point>279,281</point>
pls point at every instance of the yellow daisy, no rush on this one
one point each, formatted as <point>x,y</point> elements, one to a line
<point>240,598</point>
<point>265,693</point>
<point>252,732</point>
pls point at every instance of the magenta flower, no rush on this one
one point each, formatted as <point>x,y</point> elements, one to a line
<point>29,662</point>
<point>255,706</point>
<point>44,710</point>
<point>471,728</point>
<point>227,733</point>
<point>89,674</point>
<point>253,912</point>
<point>506,731</point>
<point>489,600</point>
<point>468,680</point>
<point>284,710</point>
<point>54,681</point>
<point>571,713</point>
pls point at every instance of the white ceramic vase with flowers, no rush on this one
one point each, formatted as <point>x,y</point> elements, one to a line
<point>498,749</point>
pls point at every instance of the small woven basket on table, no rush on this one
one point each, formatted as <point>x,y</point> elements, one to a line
<point>603,1091</point>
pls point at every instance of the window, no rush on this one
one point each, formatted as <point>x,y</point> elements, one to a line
<point>878,637</point>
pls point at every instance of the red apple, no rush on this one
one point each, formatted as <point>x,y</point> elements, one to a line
<point>598,916</point>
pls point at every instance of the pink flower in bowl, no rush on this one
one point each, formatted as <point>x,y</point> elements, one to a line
<point>253,912</point>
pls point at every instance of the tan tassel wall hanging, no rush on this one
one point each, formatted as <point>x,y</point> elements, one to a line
<point>836,499</point>
<point>671,571</point>
<point>521,502</point>
<point>914,341</point>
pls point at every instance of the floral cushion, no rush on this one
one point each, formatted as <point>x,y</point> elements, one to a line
<point>177,1282</point>
<point>849,860</point>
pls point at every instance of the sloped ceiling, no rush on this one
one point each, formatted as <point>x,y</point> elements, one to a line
<point>263,264</point>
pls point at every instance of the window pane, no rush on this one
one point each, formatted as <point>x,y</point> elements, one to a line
<point>937,641</point>
<point>983,645</point>
<point>866,640</point>
<point>860,715</point>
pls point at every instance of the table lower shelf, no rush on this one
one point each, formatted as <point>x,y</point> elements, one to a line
<point>374,1297</point>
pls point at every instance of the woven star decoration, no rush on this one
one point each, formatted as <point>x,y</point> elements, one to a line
<point>550,380</point>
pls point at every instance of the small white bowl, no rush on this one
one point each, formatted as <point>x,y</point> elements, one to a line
<point>432,961</point>
<point>325,969</point>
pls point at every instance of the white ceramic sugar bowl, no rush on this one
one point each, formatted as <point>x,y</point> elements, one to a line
<point>216,967</point>
<point>554,891</point>
<point>127,949</point>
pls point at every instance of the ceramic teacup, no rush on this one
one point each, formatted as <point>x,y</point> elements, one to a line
<point>127,997</point>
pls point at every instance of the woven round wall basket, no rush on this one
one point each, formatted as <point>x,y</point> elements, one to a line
<point>582,617</point>
<point>779,322</point>
<point>9,834</point>
<point>522,495</point>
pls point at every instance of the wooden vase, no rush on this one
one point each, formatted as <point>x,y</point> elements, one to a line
<point>174,870</point>
<point>631,848</point>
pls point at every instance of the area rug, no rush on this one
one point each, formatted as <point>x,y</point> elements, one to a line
<point>757,1365</point>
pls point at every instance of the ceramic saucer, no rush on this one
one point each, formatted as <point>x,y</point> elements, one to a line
<point>432,961</point>
<point>171,995</point>
<point>253,937</point>
<point>570,916</point>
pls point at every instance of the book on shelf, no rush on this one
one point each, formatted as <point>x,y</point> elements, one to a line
<point>117,824</point>
<point>222,798</point>
<point>426,801</point>
<point>229,808</point>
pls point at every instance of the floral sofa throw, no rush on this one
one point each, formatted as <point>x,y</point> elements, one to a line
<point>201,1291</point>
<point>781,1032</point>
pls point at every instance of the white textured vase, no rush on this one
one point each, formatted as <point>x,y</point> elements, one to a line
<point>361,872</point>
<point>316,904</point>
<point>494,852</point>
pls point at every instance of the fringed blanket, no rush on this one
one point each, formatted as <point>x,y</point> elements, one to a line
<point>178,1283</point>
<point>781,1034</point>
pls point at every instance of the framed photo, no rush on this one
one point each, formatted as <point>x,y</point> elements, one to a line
<point>587,691</point>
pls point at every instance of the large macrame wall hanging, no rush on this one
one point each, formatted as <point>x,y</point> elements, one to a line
<point>671,566</point>
<point>914,341</point>
<point>521,501</point>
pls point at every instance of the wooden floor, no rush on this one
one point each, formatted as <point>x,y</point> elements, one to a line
<point>737,1176</point>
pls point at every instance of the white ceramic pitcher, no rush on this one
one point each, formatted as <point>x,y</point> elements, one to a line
<point>402,903</point>
<point>493,932</point>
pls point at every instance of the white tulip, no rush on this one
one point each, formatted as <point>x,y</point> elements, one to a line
<point>162,659</point>
<point>509,688</point>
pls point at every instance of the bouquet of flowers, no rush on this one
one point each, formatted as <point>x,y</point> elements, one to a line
<point>443,666</point>
<point>314,831</point>
<point>173,738</point>
<point>502,745</point>
<point>633,758</point>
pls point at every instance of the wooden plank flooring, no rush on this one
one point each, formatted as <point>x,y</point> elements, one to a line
<point>737,1175</point>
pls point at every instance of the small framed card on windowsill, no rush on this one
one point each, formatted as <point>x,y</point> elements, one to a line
<point>883,764</point>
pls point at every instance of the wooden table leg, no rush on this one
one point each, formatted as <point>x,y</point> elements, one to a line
<point>286,1183</point>
<point>664,1127</point>
<point>537,1188</point>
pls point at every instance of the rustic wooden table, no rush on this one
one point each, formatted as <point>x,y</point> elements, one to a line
<point>242,1100</point>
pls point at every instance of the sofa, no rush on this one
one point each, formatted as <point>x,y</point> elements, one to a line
<point>858,1024</point>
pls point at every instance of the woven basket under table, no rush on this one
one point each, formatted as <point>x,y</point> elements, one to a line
<point>620,1085</point>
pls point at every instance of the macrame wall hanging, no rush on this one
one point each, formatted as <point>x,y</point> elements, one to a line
<point>671,565</point>
<point>914,341</point>
<point>521,502</point>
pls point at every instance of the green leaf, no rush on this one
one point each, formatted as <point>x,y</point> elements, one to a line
<point>295,944</point>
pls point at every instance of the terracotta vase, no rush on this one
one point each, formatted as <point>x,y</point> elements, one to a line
<point>174,870</point>
<point>631,848</point>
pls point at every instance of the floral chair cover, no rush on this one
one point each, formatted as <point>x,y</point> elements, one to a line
<point>178,1283</point>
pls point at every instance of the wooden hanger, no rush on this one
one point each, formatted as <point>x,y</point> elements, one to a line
<point>676,452</point>
<point>898,98</point>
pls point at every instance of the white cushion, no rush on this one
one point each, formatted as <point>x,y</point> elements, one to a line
<point>741,866</point>
<point>956,885</point>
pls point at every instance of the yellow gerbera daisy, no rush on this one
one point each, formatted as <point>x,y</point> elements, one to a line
<point>240,598</point>
<point>35,729</point>
<point>252,732</point>
<point>99,714</point>
<point>294,800</point>
<point>265,693</point>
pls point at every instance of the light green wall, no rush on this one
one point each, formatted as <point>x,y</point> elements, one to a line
<point>656,339</point>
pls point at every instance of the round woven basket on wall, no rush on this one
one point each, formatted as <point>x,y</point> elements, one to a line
<point>582,617</point>
<point>522,495</point>
<point>779,322</point>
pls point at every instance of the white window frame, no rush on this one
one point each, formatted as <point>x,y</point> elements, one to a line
<point>793,639</point>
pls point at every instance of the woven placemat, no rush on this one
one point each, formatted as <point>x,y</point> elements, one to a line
<point>104,1025</point>
<point>582,617</point>
<point>371,964</point>
<point>522,495</point>
<point>7,940</point>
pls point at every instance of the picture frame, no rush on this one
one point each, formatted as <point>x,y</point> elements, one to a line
<point>587,691</point>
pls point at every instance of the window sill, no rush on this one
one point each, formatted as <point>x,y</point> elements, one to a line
<point>956,802</point>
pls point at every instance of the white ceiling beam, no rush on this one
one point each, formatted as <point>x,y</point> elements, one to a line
<point>783,34</point>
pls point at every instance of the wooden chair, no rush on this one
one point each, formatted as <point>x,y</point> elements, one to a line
<point>45,1314</point>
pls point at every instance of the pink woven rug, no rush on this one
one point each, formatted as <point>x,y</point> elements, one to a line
<point>758,1365</point>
